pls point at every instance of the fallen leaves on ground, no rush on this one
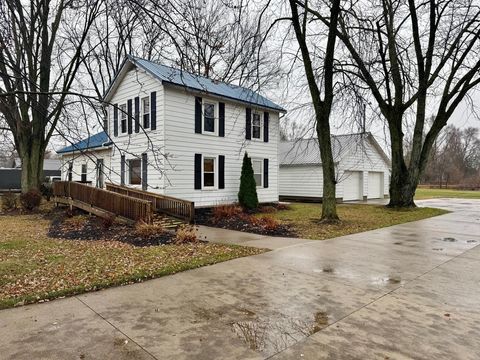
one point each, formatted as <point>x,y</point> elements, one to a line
<point>34,267</point>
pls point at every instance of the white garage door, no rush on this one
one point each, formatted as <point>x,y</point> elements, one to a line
<point>375,185</point>
<point>352,186</point>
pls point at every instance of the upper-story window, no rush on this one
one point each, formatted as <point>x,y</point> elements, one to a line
<point>208,117</point>
<point>146,112</point>
<point>123,118</point>
<point>256,126</point>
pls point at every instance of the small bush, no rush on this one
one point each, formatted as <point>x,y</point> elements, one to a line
<point>76,221</point>
<point>144,230</point>
<point>226,212</point>
<point>268,209</point>
<point>31,199</point>
<point>283,206</point>
<point>186,234</point>
<point>47,190</point>
<point>9,201</point>
<point>268,223</point>
<point>108,221</point>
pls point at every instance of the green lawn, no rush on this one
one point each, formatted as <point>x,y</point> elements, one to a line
<point>445,193</point>
<point>34,267</point>
<point>303,218</point>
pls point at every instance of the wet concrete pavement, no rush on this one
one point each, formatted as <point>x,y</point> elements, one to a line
<point>407,291</point>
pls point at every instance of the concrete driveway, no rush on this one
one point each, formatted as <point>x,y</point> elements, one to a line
<point>408,291</point>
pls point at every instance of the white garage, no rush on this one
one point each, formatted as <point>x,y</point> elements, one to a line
<point>362,169</point>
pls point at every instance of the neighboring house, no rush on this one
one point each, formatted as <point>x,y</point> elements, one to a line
<point>361,166</point>
<point>183,135</point>
<point>11,177</point>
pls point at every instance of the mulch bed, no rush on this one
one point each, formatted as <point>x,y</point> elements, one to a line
<point>240,223</point>
<point>78,225</point>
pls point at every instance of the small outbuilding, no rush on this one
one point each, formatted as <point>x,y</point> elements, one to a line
<point>362,169</point>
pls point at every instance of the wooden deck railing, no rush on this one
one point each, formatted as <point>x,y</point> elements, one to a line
<point>128,207</point>
<point>172,206</point>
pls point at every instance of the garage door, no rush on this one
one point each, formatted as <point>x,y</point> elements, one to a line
<point>375,185</point>
<point>352,186</point>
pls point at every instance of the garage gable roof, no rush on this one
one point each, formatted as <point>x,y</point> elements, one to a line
<point>307,152</point>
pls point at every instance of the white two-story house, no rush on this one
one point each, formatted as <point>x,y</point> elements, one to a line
<point>180,135</point>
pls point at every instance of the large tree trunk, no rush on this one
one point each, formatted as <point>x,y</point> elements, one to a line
<point>402,184</point>
<point>32,166</point>
<point>329,205</point>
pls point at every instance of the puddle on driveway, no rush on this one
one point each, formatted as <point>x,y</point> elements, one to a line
<point>449,239</point>
<point>471,241</point>
<point>387,280</point>
<point>269,336</point>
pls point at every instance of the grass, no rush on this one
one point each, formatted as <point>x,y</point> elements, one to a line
<point>34,267</point>
<point>304,219</point>
<point>423,193</point>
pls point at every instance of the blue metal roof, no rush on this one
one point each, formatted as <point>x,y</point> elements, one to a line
<point>94,141</point>
<point>182,78</point>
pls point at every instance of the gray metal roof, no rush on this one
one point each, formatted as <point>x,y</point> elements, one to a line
<point>307,152</point>
<point>178,77</point>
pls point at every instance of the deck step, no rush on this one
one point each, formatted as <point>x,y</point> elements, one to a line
<point>168,222</point>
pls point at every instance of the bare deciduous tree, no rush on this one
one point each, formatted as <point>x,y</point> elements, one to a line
<point>40,53</point>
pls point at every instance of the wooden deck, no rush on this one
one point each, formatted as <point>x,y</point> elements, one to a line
<point>102,202</point>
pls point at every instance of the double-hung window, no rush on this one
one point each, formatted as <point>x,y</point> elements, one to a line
<point>256,126</point>
<point>146,112</point>
<point>208,172</point>
<point>123,117</point>
<point>208,117</point>
<point>135,171</point>
<point>83,176</point>
<point>258,171</point>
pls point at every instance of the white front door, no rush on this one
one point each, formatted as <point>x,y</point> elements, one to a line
<point>352,185</point>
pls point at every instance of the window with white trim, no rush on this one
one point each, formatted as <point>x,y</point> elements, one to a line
<point>146,112</point>
<point>123,118</point>
<point>135,171</point>
<point>258,171</point>
<point>208,117</point>
<point>208,172</point>
<point>256,126</point>
<point>83,175</point>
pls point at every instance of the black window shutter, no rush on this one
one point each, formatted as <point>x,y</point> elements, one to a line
<point>198,115</point>
<point>122,170</point>
<point>129,116</point>
<point>144,171</point>
<point>248,124</point>
<point>221,171</point>
<point>265,173</point>
<point>266,117</point>
<point>137,114</point>
<point>198,171</point>
<point>115,120</point>
<point>153,110</point>
<point>221,119</point>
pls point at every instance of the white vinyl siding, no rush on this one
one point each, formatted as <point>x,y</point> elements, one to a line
<point>138,83</point>
<point>182,143</point>
<point>88,158</point>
